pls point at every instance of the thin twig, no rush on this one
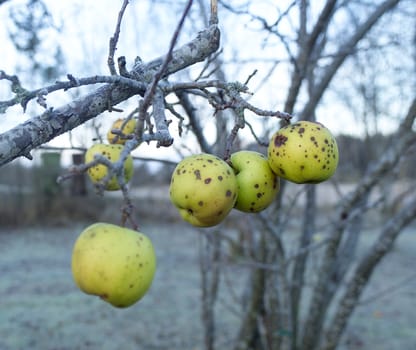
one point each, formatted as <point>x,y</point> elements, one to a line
<point>114,40</point>
<point>147,99</point>
<point>393,288</point>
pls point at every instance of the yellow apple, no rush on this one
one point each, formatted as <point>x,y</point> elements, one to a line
<point>303,152</point>
<point>99,171</point>
<point>128,129</point>
<point>204,189</point>
<point>258,185</point>
<point>114,263</point>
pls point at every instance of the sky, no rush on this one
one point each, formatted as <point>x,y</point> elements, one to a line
<point>86,26</point>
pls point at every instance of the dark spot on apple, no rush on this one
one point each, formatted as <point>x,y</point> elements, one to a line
<point>200,203</point>
<point>301,131</point>
<point>259,195</point>
<point>220,178</point>
<point>280,140</point>
<point>256,186</point>
<point>197,174</point>
<point>207,180</point>
<point>131,286</point>
<point>302,167</point>
<point>281,170</point>
<point>190,211</point>
<point>228,193</point>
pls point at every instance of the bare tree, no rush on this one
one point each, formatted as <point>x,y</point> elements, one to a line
<point>272,307</point>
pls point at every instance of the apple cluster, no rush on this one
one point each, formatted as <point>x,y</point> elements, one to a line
<point>112,152</point>
<point>118,264</point>
<point>205,188</point>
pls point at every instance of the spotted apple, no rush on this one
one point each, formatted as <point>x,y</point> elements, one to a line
<point>98,172</point>
<point>303,152</point>
<point>125,126</point>
<point>258,185</point>
<point>204,189</point>
<point>114,263</point>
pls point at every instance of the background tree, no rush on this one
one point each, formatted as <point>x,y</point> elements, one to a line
<point>285,304</point>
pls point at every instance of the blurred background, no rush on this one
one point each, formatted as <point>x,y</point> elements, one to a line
<point>202,293</point>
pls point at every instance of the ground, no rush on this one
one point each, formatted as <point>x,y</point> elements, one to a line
<point>41,308</point>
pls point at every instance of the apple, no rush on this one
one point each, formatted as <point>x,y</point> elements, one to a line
<point>128,129</point>
<point>303,152</point>
<point>204,189</point>
<point>258,185</point>
<point>100,171</point>
<point>114,263</point>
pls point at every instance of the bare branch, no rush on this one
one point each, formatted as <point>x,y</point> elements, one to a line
<point>319,303</point>
<point>345,50</point>
<point>364,271</point>
<point>114,39</point>
<point>20,140</point>
<point>193,120</point>
<point>25,96</point>
<point>150,91</point>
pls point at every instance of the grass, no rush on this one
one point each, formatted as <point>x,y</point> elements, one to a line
<point>42,309</point>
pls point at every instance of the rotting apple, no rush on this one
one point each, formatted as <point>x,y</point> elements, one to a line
<point>127,129</point>
<point>303,152</point>
<point>98,172</point>
<point>115,263</point>
<point>204,189</point>
<point>258,185</point>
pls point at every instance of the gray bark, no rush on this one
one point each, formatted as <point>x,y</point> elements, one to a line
<point>38,130</point>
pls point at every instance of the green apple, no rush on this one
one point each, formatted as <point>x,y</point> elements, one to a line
<point>257,183</point>
<point>128,129</point>
<point>204,189</point>
<point>303,152</point>
<point>100,171</point>
<point>114,263</point>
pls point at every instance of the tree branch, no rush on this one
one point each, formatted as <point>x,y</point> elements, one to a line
<point>364,271</point>
<point>319,304</point>
<point>345,51</point>
<point>38,130</point>
<point>114,39</point>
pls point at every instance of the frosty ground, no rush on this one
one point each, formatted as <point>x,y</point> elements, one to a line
<point>40,307</point>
